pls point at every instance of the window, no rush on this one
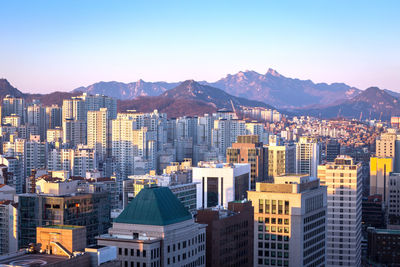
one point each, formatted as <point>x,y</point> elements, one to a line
<point>119,251</point>
<point>137,253</point>
<point>144,253</point>
<point>126,252</point>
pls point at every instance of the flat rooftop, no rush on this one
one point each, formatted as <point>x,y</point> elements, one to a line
<point>128,237</point>
<point>66,227</point>
<point>33,260</point>
<point>386,231</point>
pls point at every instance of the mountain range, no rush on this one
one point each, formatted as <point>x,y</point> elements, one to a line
<point>249,88</point>
<point>190,98</point>
<point>372,103</point>
<point>271,88</point>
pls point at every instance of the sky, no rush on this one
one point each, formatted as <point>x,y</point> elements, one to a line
<point>61,45</point>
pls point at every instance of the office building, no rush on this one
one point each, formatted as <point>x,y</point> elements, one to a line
<point>37,210</point>
<point>393,209</point>
<point>220,183</point>
<point>156,230</point>
<point>380,168</point>
<point>289,221</point>
<point>343,178</point>
<point>383,247</point>
<point>373,213</point>
<point>229,241</point>
<point>247,149</point>
<point>332,150</point>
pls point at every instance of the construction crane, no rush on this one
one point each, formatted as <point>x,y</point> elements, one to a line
<point>380,116</point>
<point>360,116</point>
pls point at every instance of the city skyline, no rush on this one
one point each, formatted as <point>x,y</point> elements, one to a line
<point>64,45</point>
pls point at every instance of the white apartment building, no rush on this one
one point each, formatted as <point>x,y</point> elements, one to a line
<point>307,156</point>
<point>8,227</point>
<point>99,132</point>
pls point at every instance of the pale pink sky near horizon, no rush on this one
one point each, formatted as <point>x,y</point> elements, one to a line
<point>61,45</point>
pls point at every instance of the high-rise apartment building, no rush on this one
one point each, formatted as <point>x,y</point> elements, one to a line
<point>248,149</point>
<point>96,102</point>
<point>77,161</point>
<point>289,221</point>
<point>13,105</point>
<point>14,175</point>
<point>343,178</point>
<point>74,132</point>
<point>74,109</point>
<point>37,116</point>
<point>99,132</point>
<point>123,149</point>
<point>53,116</point>
<point>8,226</point>
<point>307,156</point>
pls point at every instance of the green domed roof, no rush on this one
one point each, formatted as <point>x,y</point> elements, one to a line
<point>154,206</point>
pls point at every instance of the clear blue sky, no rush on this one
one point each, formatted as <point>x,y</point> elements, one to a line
<point>61,45</point>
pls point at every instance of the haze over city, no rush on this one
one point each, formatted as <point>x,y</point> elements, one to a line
<point>47,46</point>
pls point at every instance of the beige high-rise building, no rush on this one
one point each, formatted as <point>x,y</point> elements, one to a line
<point>289,221</point>
<point>98,132</point>
<point>385,145</point>
<point>281,160</point>
<point>343,178</point>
